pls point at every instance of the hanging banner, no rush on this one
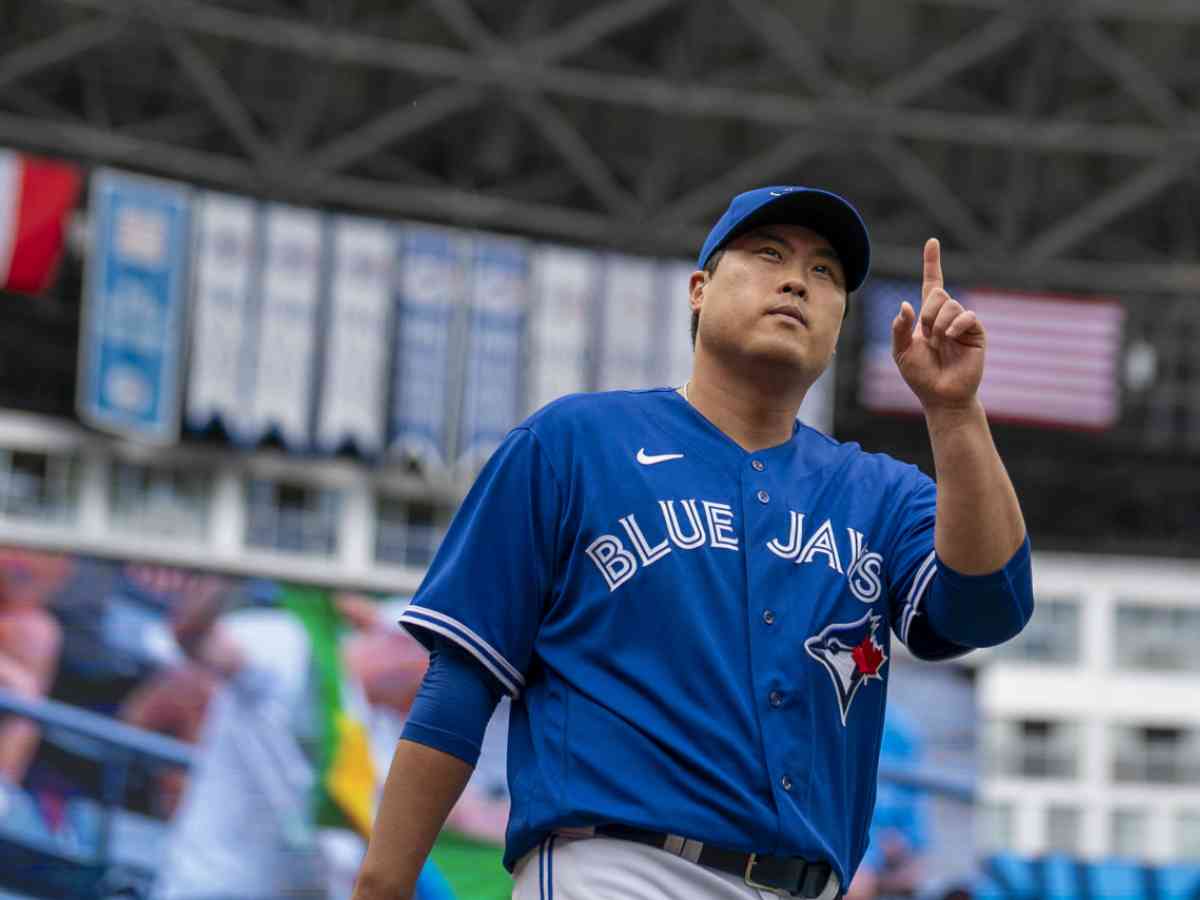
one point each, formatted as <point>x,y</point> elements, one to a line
<point>492,391</point>
<point>675,358</point>
<point>354,381</point>
<point>223,326</point>
<point>564,286</point>
<point>627,333</point>
<point>135,304</point>
<point>430,292</point>
<point>287,326</point>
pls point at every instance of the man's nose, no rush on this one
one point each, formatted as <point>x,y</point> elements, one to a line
<point>794,286</point>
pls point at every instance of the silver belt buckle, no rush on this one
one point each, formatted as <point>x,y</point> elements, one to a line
<point>750,863</point>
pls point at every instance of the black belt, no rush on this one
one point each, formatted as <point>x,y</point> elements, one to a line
<point>790,874</point>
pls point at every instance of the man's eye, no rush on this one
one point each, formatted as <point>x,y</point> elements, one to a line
<point>775,253</point>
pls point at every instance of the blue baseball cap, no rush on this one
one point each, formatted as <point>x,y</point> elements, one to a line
<point>824,212</point>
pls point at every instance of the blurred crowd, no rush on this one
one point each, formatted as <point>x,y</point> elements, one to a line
<point>203,659</point>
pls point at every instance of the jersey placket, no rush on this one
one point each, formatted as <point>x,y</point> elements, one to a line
<point>774,622</point>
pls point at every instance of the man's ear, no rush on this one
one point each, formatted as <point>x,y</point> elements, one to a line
<point>696,289</point>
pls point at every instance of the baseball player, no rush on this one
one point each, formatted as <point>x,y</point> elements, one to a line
<point>690,597</point>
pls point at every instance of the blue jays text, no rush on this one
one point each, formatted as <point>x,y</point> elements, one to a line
<point>715,529</point>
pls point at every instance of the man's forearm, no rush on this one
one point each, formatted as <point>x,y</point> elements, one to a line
<point>979,523</point>
<point>422,787</point>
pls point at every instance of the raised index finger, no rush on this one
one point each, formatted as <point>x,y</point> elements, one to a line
<point>931,278</point>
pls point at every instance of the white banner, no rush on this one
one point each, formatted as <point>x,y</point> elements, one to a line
<point>492,391</point>
<point>563,293</point>
<point>675,340</point>
<point>287,334</point>
<point>220,371</point>
<point>354,378</point>
<point>429,295</point>
<point>628,334</point>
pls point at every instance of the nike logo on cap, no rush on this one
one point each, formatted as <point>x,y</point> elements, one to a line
<point>647,460</point>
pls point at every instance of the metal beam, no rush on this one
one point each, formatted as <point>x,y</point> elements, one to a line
<point>1021,164</point>
<point>577,154</point>
<point>1104,209</point>
<point>790,46</point>
<point>56,48</point>
<point>660,96</point>
<point>591,27</point>
<point>223,101</point>
<point>461,20</point>
<point>997,35</point>
<point>1142,84</point>
<point>923,184</point>
<point>477,209</point>
<point>415,115</point>
<point>1166,12</point>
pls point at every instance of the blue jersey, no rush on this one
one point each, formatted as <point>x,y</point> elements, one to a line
<point>696,638</point>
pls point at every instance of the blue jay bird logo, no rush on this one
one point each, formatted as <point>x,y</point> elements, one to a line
<point>851,656</point>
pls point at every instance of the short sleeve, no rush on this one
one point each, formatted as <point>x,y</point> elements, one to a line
<point>911,568</point>
<point>487,585</point>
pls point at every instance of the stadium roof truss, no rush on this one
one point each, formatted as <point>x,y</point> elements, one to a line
<point>1049,144</point>
<point>1052,146</point>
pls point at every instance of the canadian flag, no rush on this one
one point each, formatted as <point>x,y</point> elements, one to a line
<point>35,197</point>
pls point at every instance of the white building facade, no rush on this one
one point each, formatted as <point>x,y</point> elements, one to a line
<point>1091,738</point>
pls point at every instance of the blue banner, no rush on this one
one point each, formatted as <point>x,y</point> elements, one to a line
<point>135,304</point>
<point>426,372</point>
<point>491,403</point>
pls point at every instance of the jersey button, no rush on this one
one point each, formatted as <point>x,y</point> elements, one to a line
<point>763,497</point>
<point>757,464</point>
<point>776,699</point>
<point>786,783</point>
<point>769,617</point>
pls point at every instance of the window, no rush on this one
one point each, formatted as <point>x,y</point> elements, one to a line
<point>1156,754</point>
<point>1032,749</point>
<point>159,500</point>
<point>1062,829</point>
<point>1052,635</point>
<point>1159,638</point>
<point>295,518</point>
<point>37,485</point>
<point>1187,835</point>
<point>409,531</point>
<point>1128,837</point>
<point>996,829</point>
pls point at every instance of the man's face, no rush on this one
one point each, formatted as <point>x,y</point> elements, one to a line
<point>777,297</point>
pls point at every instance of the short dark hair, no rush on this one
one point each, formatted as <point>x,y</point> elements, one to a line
<point>710,267</point>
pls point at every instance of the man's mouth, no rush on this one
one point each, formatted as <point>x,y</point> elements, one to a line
<point>792,312</point>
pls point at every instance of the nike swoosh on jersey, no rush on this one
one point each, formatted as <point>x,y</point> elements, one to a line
<point>647,460</point>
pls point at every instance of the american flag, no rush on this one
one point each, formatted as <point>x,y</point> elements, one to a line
<point>1051,360</point>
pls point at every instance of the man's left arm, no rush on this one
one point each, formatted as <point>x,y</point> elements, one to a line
<point>985,595</point>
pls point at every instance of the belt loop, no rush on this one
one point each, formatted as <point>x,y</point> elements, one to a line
<point>691,850</point>
<point>674,844</point>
